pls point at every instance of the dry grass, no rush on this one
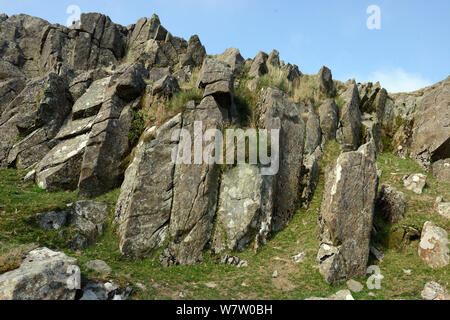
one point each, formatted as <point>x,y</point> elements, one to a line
<point>11,256</point>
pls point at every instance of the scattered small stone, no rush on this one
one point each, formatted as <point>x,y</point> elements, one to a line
<point>354,286</point>
<point>407,272</point>
<point>415,182</point>
<point>275,274</point>
<point>211,285</point>
<point>342,295</point>
<point>141,286</point>
<point>99,266</point>
<point>233,261</point>
<point>181,295</point>
<point>434,291</point>
<point>372,294</point>
<point>299,258</point>
<point>243,284</point>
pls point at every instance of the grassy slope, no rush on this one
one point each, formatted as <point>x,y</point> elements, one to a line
<point>20,201</point>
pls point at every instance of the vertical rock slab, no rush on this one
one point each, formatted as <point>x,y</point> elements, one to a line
<point>346,215</point>
<point>329,117</point>
<point>276,111</point>
<point>245,209</point>
<point>433,246</point>
<point>195,193</point>
<point>349,131</point>
<point>145,202</point>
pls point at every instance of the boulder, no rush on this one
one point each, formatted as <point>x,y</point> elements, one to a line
<point>166,87</point>
<point>354,286</point>
<point>346,215</point>
<point>98,266</point>
<point>349,131</point>
<point>443,208</point>
<point>213,71</point>
<point>326,84</point>
<point>276,112</point>
<point>88,219</point>
<point>129,80</point>
<point>329,117</point>
<point>43,275</point>
<point>233,58</point>
<point>195,53</point>
<point>259,66</point>
<point>434,291</point>
<point>391,204</point>
<point>415,182</point>
<point>53,220</point>
<point>145,202</point>
<point>433,246</point>
<point>244,211</point>
<point>158,73</point>
<point>441,170</point>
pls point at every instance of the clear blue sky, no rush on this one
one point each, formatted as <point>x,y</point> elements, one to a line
<point>412,48</point>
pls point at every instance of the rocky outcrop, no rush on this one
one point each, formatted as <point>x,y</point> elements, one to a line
<point>346,215</point>
<point>433,246</point>
<point>391,204</point>
<point>43,275</point>
<point>425,135</point>
<point>313,133</point>
<point>276,112</point>
<point>326,84</point>
<point>329,117</point>
<point>233,58</point>
<point>349,131</point>
<point>245,209</point>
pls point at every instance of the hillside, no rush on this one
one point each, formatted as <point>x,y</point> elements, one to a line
<point>96,164</point>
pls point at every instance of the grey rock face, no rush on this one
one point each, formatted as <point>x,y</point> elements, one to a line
<point>349,131</point>
<point>426,136</point>
<point>245,209</point>
<point>346,215</point>
<point>35,115</point>
<point>195,191</point>
<point>391,204</point>
<point>313,133</point>
<point>441,170</point>
<point>43,275</point>
<point>326,84</point>
<point>309,179</point>
<point>233,58</point>
<point>145,202</point>
<point>165,87</point>
<point>99,266</point>
<point>273,61</point>
<point>53,220</point>
<point>259,67</point>
<point>195,53</point>
<point>329,117</point>
<point>276,111</point>
<point>99,291</point>
<point>433,246</point>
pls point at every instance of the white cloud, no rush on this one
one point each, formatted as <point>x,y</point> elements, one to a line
<point>398,80</point>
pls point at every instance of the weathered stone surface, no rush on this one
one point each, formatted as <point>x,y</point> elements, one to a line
<point>129,81</point>
<point>371,130</point>
<point>158,73</point>
<point>309,179</point>
<point>346,215</point>
<point>99,291</point>
<point>441,170</point>
<point>326,84</point>
<point>349,131</point>
<point>391,204</point>
<point>443,208</point>
<point>195,53</point>
<point>273,60</point>
<point>43,275</point>
<point>195,191</point>
<point>233,261</point>
<point>166,87</point>
<point>233,58</point>
<point>88,218</point>
<point>145,202</point>
<point>415,182</point>
<point>354,285</point>
<point>313,133</point>
<point>276,111</point>
<point>329,117</point>
<point>36,115</point>
<point>433,246</point>
<point>98,266</point>
<point>245,209</point>
<point>425,136</point>
<point>434,291</point>
<point>53,220</point>
<point>259,67</point>
<point>212,71</point>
